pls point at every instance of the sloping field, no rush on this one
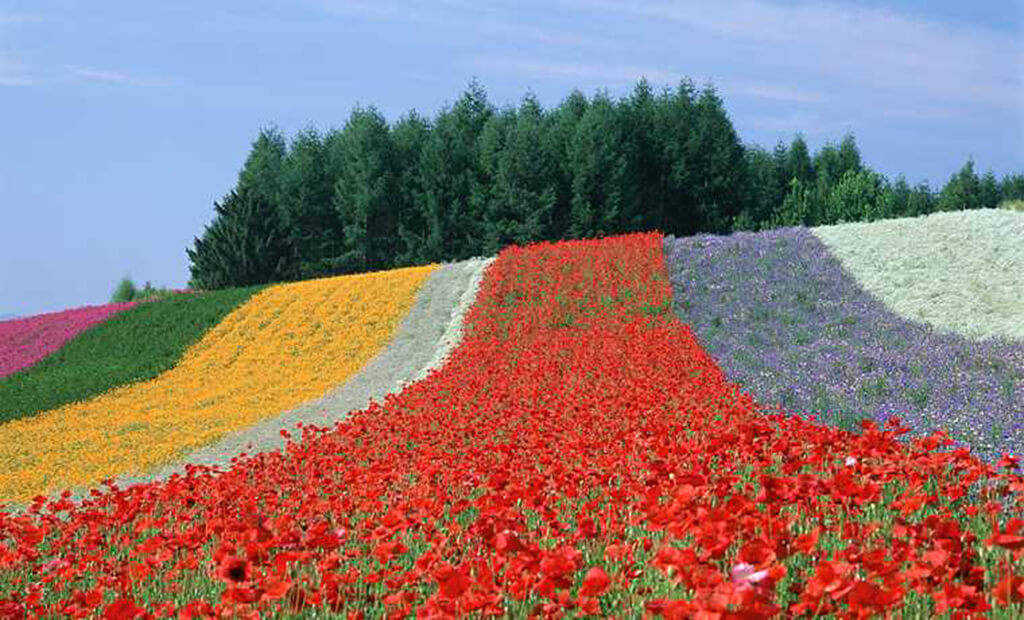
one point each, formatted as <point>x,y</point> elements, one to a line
<point>25,341</point>
<point>786,320</point>
<point>422,342</point>
<point>131,346</point>
<point>961,272</point>
<point>288,344</point>
<point>578,454</point>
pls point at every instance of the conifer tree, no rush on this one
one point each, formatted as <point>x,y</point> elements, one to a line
<point>598,170</point>
<point>314,227</point>
<point>962,191</point>
<point>408,137</point>
<point>556,141</point>
<point>522,190</point>
<point>364,193</point>
<point>243,245</point>
<point>449,172</point>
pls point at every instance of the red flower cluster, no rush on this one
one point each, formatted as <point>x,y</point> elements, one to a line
<point>578,454</point>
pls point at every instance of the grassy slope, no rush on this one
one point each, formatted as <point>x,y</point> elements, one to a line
<point>135,345</point>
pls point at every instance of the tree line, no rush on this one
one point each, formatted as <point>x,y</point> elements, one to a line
<point>475,178</point>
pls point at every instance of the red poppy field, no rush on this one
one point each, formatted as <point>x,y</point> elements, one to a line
<point>579,454</point>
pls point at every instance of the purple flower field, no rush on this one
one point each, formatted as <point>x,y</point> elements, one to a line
<point>785,321</point>
<point>25,341</point>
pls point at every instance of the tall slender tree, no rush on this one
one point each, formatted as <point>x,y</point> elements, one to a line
<point>364,193</point>
<point>408,136</point>
<point>449,169</point>
<point>555,144</point>
<point>523,188</point>
<point>962,191</point>
<point>676,122</point>
<point>598,172</point>
<point>314,228</point>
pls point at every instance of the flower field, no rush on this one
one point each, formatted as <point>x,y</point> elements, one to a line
<point>131,346</point>
<point>783,318</point>
<point>313,335</point>
<point>579,454</point>
<point>25,341</point>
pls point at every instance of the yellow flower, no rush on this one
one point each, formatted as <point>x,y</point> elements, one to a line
<point>289,344</point>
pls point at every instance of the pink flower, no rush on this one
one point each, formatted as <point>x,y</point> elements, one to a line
<point>744,575</point>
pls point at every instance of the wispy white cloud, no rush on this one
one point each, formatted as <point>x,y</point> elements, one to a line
<point>607,73</point>
<point>96,74</point>
<point>104,75</point>
<point>884,54</point>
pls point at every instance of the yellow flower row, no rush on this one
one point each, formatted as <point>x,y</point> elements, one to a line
<point>289,344</point>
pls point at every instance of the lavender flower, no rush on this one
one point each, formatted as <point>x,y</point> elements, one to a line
<point>793,328</point>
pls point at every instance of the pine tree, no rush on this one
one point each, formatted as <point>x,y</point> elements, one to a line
<point>408,136</point>
<point>313,226</point>
<point>720,165</point>
<point>988,191</point>
<point>364,193</point>
<point>262,171</point>
<point>962,191</point>
<point>449,170</point>
<point>798,162</point>
<point>676,123</point>
<point>598,168</point>
<point>646,174</point>
<point>555,144</point>
<point>522,187</point>
<point>243,245</point>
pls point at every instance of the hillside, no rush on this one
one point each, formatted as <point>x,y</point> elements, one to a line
<point>865,324</point>
<point>582,449</point>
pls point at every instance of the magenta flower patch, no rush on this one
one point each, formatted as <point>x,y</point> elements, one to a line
<point>25,341</point>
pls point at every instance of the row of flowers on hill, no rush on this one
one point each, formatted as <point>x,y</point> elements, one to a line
<point>25,341</point>
<point>578,454</point>
<point>288,344</point>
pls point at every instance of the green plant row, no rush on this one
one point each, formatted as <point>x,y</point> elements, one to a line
<point>135,345</point>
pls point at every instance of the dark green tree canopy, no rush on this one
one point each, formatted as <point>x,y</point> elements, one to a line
<point>243,245</point>
<point>475,178</point>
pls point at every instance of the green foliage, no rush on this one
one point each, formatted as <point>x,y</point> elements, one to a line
<point>244,244</point>
<point>364,193</point>
<point>134,345</point>
<point>962,192</point>
<point>857,197</point>
<point>1012,187</point>
<point>796,207</point>
<point>125,291</point>
<point>475,178</point>
<point>311,224</point>
<point>450,175</point>
<point>520,189</point>
<point>598,171</point>
<point>988,191</point>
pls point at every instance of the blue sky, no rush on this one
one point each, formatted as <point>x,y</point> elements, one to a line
<point>122,121</point>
